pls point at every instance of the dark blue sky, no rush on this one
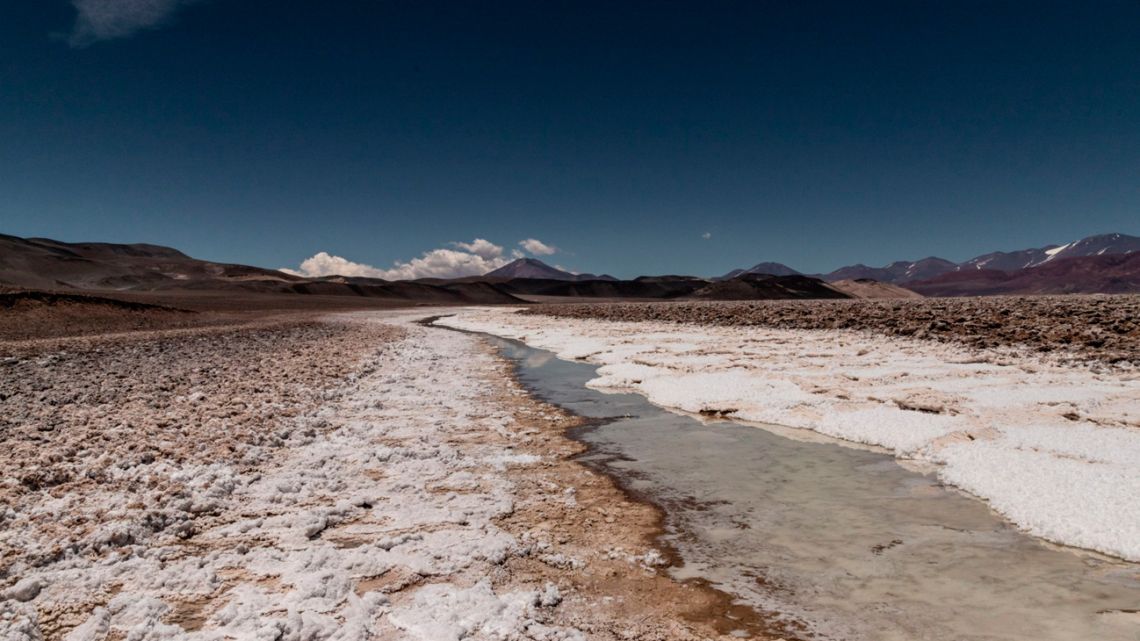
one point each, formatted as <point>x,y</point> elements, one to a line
<point>814,134</point>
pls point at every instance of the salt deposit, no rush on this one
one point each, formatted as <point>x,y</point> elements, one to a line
<point>298,549</point>
<point>355,477</point>
<point>1055,448</point>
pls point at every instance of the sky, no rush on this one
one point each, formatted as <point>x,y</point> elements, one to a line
<point>408,138</point>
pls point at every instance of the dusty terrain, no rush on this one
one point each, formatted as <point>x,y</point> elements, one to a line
<point>1088,328</point>
<point>32,315</point>
<point>362,477</point>
<point>866,288</point>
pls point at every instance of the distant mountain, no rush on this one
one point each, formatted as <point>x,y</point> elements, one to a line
<point>43,264</point>
<point>1108,263</point>
<point>767,287</point>
<point>534,268</point>
<point>901,272</point>
<point>774,269</point>
<point>1098,274</point>
<point>743,287</point>
<point>897,272</point>
<point>1101,245</point>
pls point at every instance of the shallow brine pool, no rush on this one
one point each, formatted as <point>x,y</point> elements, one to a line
<point>843,541</point>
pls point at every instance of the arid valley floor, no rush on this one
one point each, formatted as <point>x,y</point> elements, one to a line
<point>367,474</point>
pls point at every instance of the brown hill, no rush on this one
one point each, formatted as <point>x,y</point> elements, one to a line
<point>47,264</point>
<point>767,287</point>
<point>39,263</point>
<point>660,287</point>
<point>869,288</point>
<point>1105,274</point>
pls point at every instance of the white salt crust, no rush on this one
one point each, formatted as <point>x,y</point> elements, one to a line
<point>1055,449</point>
<point>397,485</point>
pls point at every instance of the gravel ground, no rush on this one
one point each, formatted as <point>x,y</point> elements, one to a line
<point>1081,328</point>
<point>30,316</point>
<point>353,477</point>
<point>91,417</point>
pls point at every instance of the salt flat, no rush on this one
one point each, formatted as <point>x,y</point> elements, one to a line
<point>355,478</point>
<point>1054,447</point>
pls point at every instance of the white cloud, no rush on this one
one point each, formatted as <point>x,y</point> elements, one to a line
<point>707,235</point>
<point>537,247</point>
<point>469,259</point>
<point>325,264</point>
<point>108,19</point>
<point>445,263</point>
<point>481,247</point>
<point>463,259</point>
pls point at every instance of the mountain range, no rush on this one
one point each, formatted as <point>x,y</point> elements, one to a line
<point>1097,274</point>
<point>1108,263</point>
<point>41,263</point>
<point>1092,246</point>
<point>932,270</point>
<point>1082,266</point>
<point>900,271</point>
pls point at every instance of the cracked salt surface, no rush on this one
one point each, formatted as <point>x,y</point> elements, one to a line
<point>314,525</point>
<point>1055,449</point>
<point>844,541</point>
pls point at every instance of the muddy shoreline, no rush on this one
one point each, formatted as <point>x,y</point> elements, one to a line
<point>725,614</point>
<point>720,610</point>
<point>716,609</point>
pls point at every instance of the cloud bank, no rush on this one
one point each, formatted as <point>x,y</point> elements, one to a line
<point>457,260</point>
<point>107,19</point>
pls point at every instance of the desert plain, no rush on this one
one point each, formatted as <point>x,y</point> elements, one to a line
<point>218,473</point>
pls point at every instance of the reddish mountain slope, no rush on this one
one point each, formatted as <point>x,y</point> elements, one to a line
<point>897,272</point>
<point>1092,246</point>
<point>1104,274</point>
